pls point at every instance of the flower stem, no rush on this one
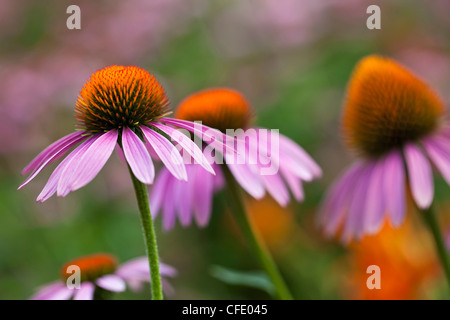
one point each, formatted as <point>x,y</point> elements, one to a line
<point>253,239</point>
<point>431,220</point>
<point>149,235</point>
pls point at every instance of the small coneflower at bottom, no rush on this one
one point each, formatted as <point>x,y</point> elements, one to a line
<point>100,276</point>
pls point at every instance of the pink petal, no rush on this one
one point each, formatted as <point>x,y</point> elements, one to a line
<point>248,179</point>
<point>440,157</point>
<point>277,189</point>
<point>183,194</point>
<point>112,283</point>
<point>292,149</point>
<point>53,291</point>
<point>209,135</point>
<point>166,270</point>
<point>337,200</point>
<point>203,190</point>
<point>394,187</point>
<point>354,225</point>
<point>52,183</point>
<point>51,154</point>
<point>375,200</point>
<point>85,166</point>
<point>137,266</point>
<point>54,151</point>
<point>219,180</point>
<point>169,207</point>
<point>167,152</point>
<point>137,157</point>
<point>159,191</point>
<point>86,292</point>
<point>420,176</point>
<point>294,183</point>
<point>187,144</point>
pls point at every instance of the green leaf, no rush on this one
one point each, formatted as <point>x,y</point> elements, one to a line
<point>253,279</point>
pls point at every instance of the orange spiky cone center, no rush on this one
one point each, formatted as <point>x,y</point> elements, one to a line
<point>117,97</point>
<point>91,267</point>
<point>387,106</point>
<point>219,108</point>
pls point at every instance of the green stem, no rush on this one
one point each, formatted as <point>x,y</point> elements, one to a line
<point>431,220</point>
<point>149,235</point>
<point>102,294</point>
<point>253,239</point>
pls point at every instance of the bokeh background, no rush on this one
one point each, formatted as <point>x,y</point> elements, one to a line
<point>290,58</point>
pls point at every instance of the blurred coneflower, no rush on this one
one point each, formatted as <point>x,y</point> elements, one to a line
<point>118,106</point>
<point>226,109</point>
<point>100,275</point>
<point>262,161</point>
<point>395,123</point>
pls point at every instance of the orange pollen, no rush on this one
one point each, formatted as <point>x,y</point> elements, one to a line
<point>91,267</point>
<point>117,96</point>
<point>387,106</point>
<point>219,108</point>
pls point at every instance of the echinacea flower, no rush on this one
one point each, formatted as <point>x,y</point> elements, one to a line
<point>395,122</point>
<point>260,160</point>
<point>101,272</point>
<point>117,106</point>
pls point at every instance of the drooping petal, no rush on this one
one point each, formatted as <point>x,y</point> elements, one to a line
<point>375,206</point>
<point>292,149</point>
<point>337,200</point>
<point>276,188</point>
<point>203,189</point>
<point>166,270</point>
<point>248,180</point>
<point>159,191</point>
<point>394,187</point>
<point>439,156</point>
<point>134,268</point>
<point>167,152</point>
<point>219,180</point>
<point>282,152</point>
<point>294,183</point>
<point>169,207</point>
<point>86,292</point>
<point>111,282</point>
<point>187,144</point>
<point>85,166</point>
<point>53,151</point>
<point>354,224</point>
<point>183,194</point>
<point>53,291</point>
<point>209,135</point>
<point>137,156</point>
<point>420,176</point>
<point>52,183</point>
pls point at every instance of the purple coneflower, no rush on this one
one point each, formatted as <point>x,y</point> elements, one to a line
<point>121,106</point>
<point>99,276</point>
<point>117,106</point>
<point>260,160</point>
<point>395,122</point>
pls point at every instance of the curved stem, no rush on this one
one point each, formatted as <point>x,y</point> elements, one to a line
<point>149,235</point>
<point>253,239</point>
<point>431,220</point>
